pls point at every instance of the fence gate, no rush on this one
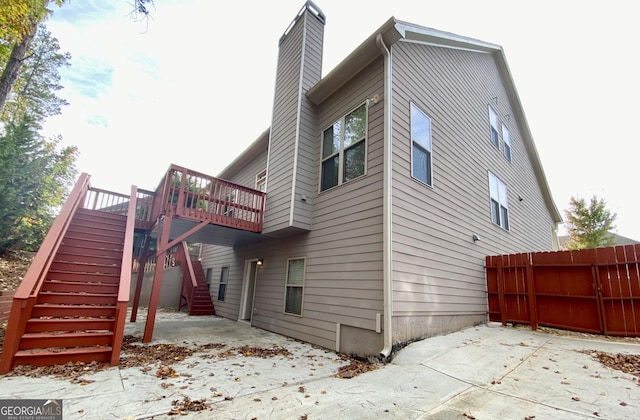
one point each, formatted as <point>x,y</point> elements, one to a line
<point>595,290</point>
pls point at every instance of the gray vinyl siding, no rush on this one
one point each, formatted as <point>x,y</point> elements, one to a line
<point>288,174</point>
<point>343,251</point>
<point>437,268</point>
<point>216,257</point>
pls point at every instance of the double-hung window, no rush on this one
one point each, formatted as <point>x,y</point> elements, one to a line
<point>294,286</point>
<point>493,123</point>
<point>420,145</point>
<point>224,279</point>
<point>344,147</point>
<point>499,206</point>
<point>507,142</point>
<point>261,181</point>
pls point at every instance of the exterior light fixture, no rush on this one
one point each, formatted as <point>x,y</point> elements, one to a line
<point>260,262</point>
<point>475,237</point>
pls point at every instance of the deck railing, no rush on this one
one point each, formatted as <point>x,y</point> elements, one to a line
<point>200,197</point>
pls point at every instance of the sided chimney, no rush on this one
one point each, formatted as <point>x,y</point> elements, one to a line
<point>293,142</point>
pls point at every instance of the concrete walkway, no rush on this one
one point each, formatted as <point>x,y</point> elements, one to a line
<point>484,372</point>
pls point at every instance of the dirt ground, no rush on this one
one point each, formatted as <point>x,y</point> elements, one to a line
<point>12,269</point>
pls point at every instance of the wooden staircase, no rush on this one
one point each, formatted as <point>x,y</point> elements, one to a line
<point>73,318</point>
<point>201,299</point>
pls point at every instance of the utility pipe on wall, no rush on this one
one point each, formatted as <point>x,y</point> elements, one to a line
<point>386,206</point>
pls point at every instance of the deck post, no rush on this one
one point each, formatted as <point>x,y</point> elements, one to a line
<point>144,257</point>
<point>157,277</point>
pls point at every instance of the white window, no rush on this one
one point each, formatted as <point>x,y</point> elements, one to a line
<point>344,149</point>
<point>499,206</point>
<point>224,278</point>
<point>420,145</point>
<point>493,122</point>
<point>294,286</point>
<point>261,181</point>
<point>507,142</point>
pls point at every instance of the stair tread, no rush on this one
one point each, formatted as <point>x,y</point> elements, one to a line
<point>63,350</point>
<point>49,293</point>
<point>66,334</point>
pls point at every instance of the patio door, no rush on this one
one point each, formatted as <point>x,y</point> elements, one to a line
<point>248,290</point>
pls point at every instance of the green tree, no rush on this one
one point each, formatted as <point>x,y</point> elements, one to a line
<point>18,26</point>
<point>34,91</point>
<point>35,179</point>
<point>589,225</point>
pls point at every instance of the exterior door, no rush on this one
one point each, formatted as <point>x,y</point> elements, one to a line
<point>248,290</point>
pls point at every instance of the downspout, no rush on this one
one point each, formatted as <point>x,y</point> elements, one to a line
<point>387,278</point>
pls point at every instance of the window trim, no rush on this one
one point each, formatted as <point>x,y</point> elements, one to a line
<point>223,290</point>
<point>302,286</point>
<point>341,152</point>
<point>493,117</point>
<point>503,223</point>
<point>430,151</point>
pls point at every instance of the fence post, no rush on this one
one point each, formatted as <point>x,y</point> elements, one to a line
<point>599,301</point>
<point>531,290</point>
<point>503,311</point>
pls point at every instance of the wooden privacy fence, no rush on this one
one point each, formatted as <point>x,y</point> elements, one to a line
<point>594,290</point>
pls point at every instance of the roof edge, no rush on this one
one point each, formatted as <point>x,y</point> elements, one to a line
<point>253,150</point>
<point>529,143</point>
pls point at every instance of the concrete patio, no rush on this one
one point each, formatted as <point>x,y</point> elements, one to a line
<point>483,372</point>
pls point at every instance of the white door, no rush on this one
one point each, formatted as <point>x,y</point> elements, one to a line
<point>248,290</point>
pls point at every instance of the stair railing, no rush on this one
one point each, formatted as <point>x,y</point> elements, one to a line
<point>125,279</point>
<point>27,293</point>
<point>189,282</point>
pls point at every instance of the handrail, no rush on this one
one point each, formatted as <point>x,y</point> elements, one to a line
<point>127,255</point>
<point>125,278</point>
<point>35,275</point>
<point>28,290</point>
<point>184,260</point>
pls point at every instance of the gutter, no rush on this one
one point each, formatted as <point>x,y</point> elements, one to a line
<point>387,196</point>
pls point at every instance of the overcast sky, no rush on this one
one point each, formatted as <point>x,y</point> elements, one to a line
<point>194,85</point>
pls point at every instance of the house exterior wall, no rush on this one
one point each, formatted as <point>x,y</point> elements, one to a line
<point>169,289</point>
<point>438,270</point>
<point>343,251</point>
<point>293,142</point>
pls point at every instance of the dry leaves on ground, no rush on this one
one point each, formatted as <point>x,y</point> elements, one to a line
<point>74,372</point>
<point>187,404</point>
<point>355,368</point>
<point>13,266</point>
<point>627,363</point>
